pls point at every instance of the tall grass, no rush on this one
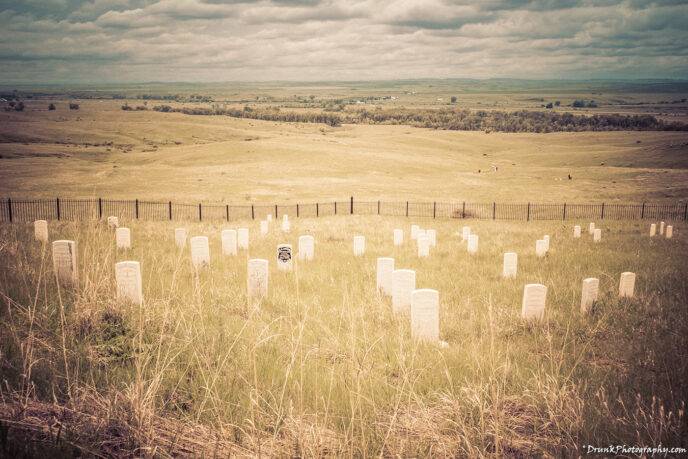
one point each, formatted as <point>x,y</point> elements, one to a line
<point>323,367</point>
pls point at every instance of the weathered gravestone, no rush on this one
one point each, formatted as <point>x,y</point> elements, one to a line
<point>128,278</point>
<point>268,217</point>
<point>180,237</point>
<point>653,230</point>
<point>472,243</point>
<point>306,247</point>
<point>242,238</point>
<point>285,260</point>
<point>591,228</point>
<point>423,246</point>
<point>425,315</point>
<point>64,262</point>
<point>669,232</point>
<point>403,285</point>
<point>257,279</point>
<point>286,226</point>
<point>112,221</point>
<point>546,239</point>
<point>465,232</point>
<point>591,287</point>
<point>40,230</point>
<point>398,237</point>
<point>263,227</point>
<point>123,238</point>
<point>540,248</point>
<point>510,265</point>
<point>432,237</point>
<point>597,235</point>
<point>200,251</point>
<point>385,269</point>
<point>627,285</point>
<point>229,242</point>
<point>661,227</point>
<point>359,245</point>
<point>576,231</point>
<point>414,232</point>
<point>533,306</point>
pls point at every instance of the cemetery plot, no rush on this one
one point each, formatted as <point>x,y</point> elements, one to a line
<point>128,279</point>
<point>200,252</point>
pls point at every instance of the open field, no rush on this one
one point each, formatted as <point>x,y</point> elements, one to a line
<point>101,150</point>
<point>323,367</point>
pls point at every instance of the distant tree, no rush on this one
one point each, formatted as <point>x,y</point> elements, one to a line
<point>51,107</point>
<point>73,106</point>
<point>578,103</point>
<point>12,103</point>
<point>592,104</point>
<point>453,99</point>
<point>19,107</point>
<point>549,105</point>
<point>557,103</point>
<point>126,107</point>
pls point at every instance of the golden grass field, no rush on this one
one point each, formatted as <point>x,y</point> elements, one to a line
<point>102,151</point>
<point>323,367</point>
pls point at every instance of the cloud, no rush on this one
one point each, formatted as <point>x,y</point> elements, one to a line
<point>221,40</point>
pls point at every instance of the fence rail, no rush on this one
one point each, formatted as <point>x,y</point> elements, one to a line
<point>21,210</point>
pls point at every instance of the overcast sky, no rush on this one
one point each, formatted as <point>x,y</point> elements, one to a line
<point>213,40</point>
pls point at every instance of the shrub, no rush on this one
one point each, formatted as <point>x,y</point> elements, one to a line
<point>453,99</point>
<point>73,106</point>
<point>51,107</point>
<point>19,107</point>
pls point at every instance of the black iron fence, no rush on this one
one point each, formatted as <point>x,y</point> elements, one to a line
<point>20,210</point>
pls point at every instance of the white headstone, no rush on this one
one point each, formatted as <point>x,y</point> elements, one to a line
<point>591,287</point>
<point>398,237</point>
<point>540,248</point>
<point>40,230</point>
<point>359,245</point>
<point>597,235</point>
<point>180,237</point>
<point>385,268</point>
<point>128,277</point>
<point>627,285</point>
<point>510,265</point>
<point>576,231</point>
<point>64,261</point>
<point>546,239</point>
<point>123,238</point>
<point>403,285</point>
<point>472,243</point>
<point>432,236</point>
<point>285,260</point>
<point>229,242</point>
<point>533,306</point>
<point>268,217</point>
<point>423,246</point>
<point>242,238</point>
<point>661,227</point>
<point>425,315</point>
<point>465,232</point>
<point>419,233</point>
<point>257,278</point>
<point>669,232</point>
<point>653,230</point>
<point>414,232</point>
<point>306,247</point>
<point>285,218</point>
<point>591,228</point>
<point>286,226</point>
<point>263,227</point>
<point>112,221</point>
<point>200,251</point>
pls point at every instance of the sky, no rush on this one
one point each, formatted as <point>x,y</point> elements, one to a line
<point>62,41</point>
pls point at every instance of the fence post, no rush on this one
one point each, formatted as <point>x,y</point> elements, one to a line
<point>297,210</point>
<point>564,218</point>
<point>200,213</point>
<point>602,216</point>
<point>685,212</point>
<point>494,211</point>
<point>335,207</point>
<point>434,209</point>
<point>169,209</point>
<point>57,207</point>
<point>352,205</point>
<point>642,212</point>
<point>378,207</point>
<point>100,208</point>
<point>227,212</point>
<point>253,213</point>
<point>275,210</point>
<point>136,204</point>
<point>317,210</point>
<point>9,208</point>
<point>463,210</point>
<point>528,216</point>
<point>407,208</point>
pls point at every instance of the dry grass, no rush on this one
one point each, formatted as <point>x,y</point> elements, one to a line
<point>323,368</point>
